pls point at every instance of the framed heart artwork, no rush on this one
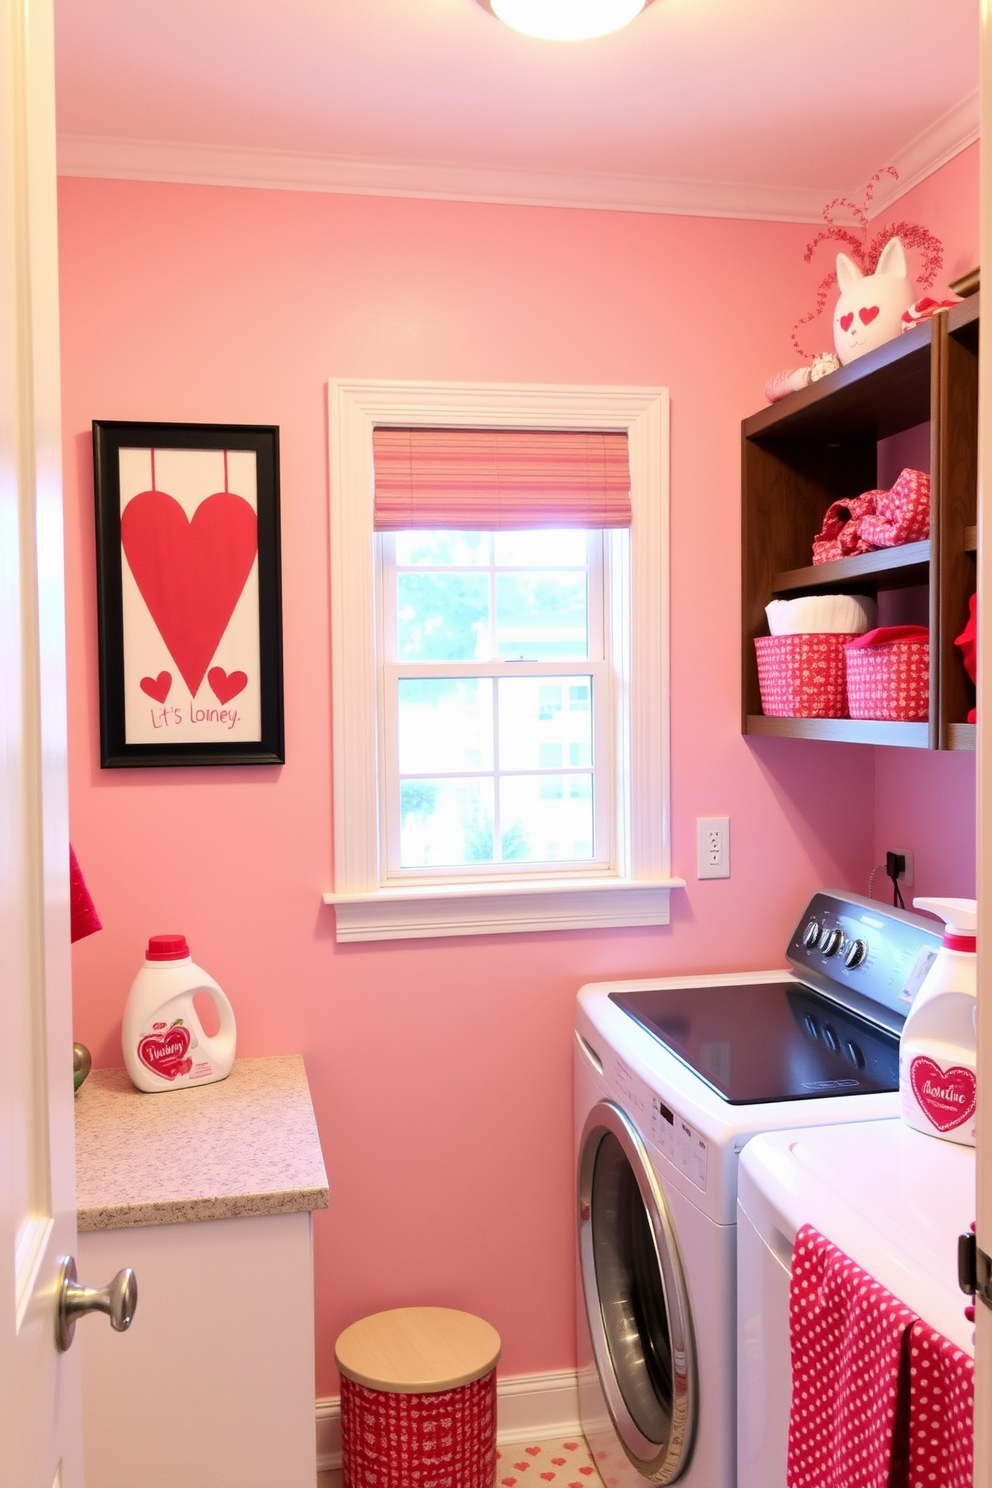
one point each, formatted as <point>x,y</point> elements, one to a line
<point>188,594</point>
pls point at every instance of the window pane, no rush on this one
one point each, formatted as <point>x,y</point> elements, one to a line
<point>546,818</point>
<point>544,723</point>
<point>442,617</point>
<point>541,615</point>
<point>444,823</point>
<point>444,548</point>
<point>445,724</point>
<point>565,547</point>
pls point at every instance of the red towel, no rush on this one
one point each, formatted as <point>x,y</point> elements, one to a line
<point>968,641</point>
<point>83,917</point>
<point>879,1399</point>
<point>941,1410</point>
<point>847,1350</point>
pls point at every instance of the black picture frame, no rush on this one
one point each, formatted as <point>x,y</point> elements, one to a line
<point>123,726</point>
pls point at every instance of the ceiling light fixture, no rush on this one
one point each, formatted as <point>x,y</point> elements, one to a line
<point>565,20</point>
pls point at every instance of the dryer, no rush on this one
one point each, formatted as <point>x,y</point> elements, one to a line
<point>893,1199</point>
<point>673,1076</point>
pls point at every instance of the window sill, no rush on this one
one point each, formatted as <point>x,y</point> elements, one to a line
<point>501,909</point>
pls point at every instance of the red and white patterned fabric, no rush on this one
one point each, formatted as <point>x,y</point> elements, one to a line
<point>923,310</point>
<point>802,676</point>
<point>888,674</point>
<point>840,535</point>
<point>879,1399</point>
<point>846,1334</point>
<point>941,1411</point>
<point>901,515</point>
<point>444,1439</point>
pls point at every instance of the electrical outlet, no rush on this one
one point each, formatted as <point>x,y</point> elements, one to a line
<point>712,846</point>
<point>905,879</point>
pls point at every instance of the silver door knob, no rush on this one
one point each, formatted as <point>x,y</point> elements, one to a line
<point>118,1300</point>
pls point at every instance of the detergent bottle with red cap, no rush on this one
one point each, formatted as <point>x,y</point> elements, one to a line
<point>162,1036</point>
<point>937,1049</point>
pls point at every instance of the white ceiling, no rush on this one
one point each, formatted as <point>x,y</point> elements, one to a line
<point>758,108</point>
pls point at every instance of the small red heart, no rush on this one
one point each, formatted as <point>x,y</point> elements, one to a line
<point>587,1470</point>
<point>947,1096</point>
<point>226,685</point>
<point>845,320</point>
<point>867,314</point>
<point>548,1477</point>
<point>508,1482</point>
<point>558,1461</point>
<point>157,687</point>
<point>521,1466</point>
<point>570,1446</point>
<point>532,1451</point>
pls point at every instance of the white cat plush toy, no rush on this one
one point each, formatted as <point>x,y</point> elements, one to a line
<point>871,306</point>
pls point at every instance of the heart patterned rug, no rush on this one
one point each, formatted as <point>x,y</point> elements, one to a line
<point>563,1464</point>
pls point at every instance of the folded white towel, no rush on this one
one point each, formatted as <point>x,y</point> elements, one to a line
<point>822,614</point>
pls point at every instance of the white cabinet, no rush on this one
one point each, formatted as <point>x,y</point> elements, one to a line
<point>213,1385</point>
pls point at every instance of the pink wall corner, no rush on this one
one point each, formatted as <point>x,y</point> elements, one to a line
<point>440,1069</point>
<point>925,801</point>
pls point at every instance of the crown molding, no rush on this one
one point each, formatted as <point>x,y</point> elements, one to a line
<point>934,147</point>
<point>276,170</point>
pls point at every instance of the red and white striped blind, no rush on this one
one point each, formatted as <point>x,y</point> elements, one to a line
<point>492,479</point>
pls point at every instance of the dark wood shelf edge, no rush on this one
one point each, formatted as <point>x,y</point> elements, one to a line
<point>779,415</point>
<point>845,730</point>
<point>971,539</point>
<point>961,736</point>
<point>848,570</point>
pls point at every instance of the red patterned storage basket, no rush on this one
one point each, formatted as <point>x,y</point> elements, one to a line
<point>888,674</point>
<point>418,1400</point>
<point>802,676</point>
<point>443,1440</point>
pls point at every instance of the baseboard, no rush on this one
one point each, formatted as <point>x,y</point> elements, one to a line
<point>529,1408</point>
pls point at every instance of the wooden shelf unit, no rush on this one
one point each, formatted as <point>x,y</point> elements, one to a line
<point>820,445</point>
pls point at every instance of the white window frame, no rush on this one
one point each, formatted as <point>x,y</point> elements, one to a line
<point>636,890</point>
<point>596,665</point>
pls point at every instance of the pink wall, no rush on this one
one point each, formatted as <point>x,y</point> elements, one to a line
<point>926,802</point>
<point>440,1069</point>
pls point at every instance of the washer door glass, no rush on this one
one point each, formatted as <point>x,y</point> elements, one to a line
<point>635,1297</point>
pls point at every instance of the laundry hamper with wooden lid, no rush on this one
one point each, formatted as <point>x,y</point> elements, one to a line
<point>418,1399</point>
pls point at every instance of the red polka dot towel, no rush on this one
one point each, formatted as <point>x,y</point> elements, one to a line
<point>941,1411</point>
<point>847,1334</point>
<point>879,1400</point>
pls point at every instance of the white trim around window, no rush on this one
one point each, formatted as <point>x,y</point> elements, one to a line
<point>638,889</point>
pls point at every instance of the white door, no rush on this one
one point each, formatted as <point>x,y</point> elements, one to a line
<point>983,1351</point>
<point>40,1428</point>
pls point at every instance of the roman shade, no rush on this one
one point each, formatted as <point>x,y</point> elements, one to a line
<point>500,479</point>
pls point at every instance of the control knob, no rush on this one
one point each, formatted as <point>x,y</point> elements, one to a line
<point>856,953</point>
<point>831,942</point>
<point>811,935</point>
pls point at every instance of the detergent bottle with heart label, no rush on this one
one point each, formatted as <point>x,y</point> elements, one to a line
<point>937,1085</point>
<point>165,1047</point>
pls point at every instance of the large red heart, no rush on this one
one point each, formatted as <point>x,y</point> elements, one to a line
<point>845,320</point>
<point>157,687</point>
<point>226,685</point>
<point>165,1053</point>
<point>867,314</point>
<point>190,573</point>
<point>947,1097</point>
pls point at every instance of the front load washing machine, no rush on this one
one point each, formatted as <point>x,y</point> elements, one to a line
<point>672,1077</point>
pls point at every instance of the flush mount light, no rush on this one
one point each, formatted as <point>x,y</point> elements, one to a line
<point>565,20</point>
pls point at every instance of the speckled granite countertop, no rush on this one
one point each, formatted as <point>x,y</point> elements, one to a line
<point>243,1146</point>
